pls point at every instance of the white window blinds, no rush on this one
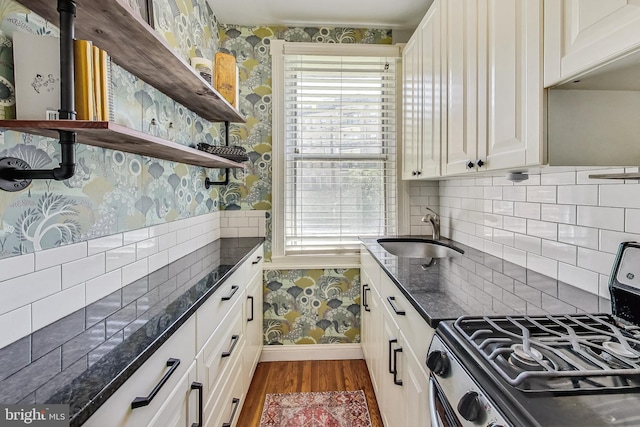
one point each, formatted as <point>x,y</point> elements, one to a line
<point>340,151</point>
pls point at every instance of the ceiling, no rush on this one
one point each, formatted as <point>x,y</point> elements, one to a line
<point>392,14</point>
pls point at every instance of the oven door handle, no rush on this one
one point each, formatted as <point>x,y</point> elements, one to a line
<point>433,413</point>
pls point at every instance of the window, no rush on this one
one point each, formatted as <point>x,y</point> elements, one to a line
<point>339,150</point>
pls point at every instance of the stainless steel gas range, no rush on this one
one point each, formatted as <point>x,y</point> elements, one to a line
<point>554,370</point>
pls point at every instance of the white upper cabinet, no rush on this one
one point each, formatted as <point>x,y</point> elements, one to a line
<point>580,35</point>
<point>421,86</point>
<point>494,88</point>
<point>510,101</point>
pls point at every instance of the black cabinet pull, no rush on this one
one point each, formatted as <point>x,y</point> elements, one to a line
<point>250,319</point>
<point>235,403</point>
<point>139,402</point>
<point>391,368</point>
<point>392,303</point>
<point>234,289</point>
<point>480,163</point>
<point>198,386</point>
<point>234,341</point>
<point>365,288</point>
<point>257,260</point>
<point>396,381</point>
<point>470,165</point>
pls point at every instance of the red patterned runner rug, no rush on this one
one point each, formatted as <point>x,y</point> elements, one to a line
<point>319,409</point>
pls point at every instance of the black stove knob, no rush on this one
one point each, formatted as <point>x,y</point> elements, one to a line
<point>469,406</point>
<point>438,362</point>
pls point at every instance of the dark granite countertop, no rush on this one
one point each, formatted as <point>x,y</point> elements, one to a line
<point>82,359</point>
<point>480,284</point>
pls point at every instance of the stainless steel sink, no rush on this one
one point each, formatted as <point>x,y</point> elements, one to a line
<point>419,248</point>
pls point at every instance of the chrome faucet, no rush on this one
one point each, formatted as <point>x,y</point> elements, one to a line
<point>433,218</point>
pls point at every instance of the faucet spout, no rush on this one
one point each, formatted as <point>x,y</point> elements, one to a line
<point>432,218</point>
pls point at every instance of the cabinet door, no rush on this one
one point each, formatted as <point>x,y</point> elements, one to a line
<point>253,326</point>
<point>372,332</point>
<point>181,407</point>
<point>415,383</point>
<point>582,34</point>
<point>411,109</point>
<point>459,26</point>
<point>430,82</point>
<point>391,399</point>
<point>510,90</point>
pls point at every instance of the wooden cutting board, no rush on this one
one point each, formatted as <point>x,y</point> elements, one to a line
<point>224,80</point>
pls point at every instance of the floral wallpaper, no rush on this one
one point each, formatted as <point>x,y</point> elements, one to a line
<point>311,306</point>
<point>112,191</point>
<point>250,46</point>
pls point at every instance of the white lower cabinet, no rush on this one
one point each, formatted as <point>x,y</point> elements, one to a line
<point>395,340</point>
<point>200,375</point>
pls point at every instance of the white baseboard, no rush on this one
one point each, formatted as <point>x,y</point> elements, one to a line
<point>286,353</point>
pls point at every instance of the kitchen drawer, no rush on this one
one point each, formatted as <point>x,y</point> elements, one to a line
<point>214,309</point>
<point>221,351</point>
<point>181,408</point>
<point>255,262</point>
<point>370,265</point>
<point>227,406</point>
<point>413,326</point>
<point>117,412</point>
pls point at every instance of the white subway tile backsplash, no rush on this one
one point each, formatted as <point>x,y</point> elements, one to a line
<point>167,240</point>
<point>600,262</point>
<point>56,256</point>
<point>15,325</point>
<point>16,266</point>
<point>533,180</point>
<point>599,217</point>
<point>542,194</point>
<point>559,213</point>
<point>119,257</point>
<point>103,244</point>
<point>610,240</point>
<point>579,277</point>
<point>545,230</point>
<point>493,193</point>
<point>148,247</point>
<point>56,306</point>
<point>561,178</point>
<point>542,265</point>
<point>135,236</point>
<point>159,260</point>
<point>135,271</point>
<point>504,237</point>
<point>516,256</point>
<point>579,236</point>
<point>560,251</point>
<point>632,221</point>
<point>517,225</point>
<point>25,289</point>
<point>578,195</point>
<point>620,195</point>
<point>527,210</point>
<point>502,207</point>
<point>528,243</point>
<point>515,193</point>
<point>102,286</point>
<point>82,270</point>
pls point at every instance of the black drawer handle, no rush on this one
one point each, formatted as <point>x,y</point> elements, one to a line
<point>396,381</point>
<point>257,260</point>
<point>139,402</point>
<point>392,303</point>
<point>365,304</point>
<point>199,387</point>
<point>234,289</point>
<point>234,341</point>
<point>391,368</point>
<point>235,403</point>
<point>250,319</point>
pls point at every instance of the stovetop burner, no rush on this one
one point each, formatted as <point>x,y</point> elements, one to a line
<point>558,353</point>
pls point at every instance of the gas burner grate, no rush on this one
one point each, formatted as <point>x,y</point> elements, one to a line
<point>569,352</point>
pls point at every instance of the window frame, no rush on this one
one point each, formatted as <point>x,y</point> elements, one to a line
<point>280,48</point>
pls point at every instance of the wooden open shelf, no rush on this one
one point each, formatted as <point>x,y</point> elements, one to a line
<point>135,46</point>
<point>117,137</point>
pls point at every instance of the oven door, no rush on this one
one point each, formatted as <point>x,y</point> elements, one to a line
<point>440,411</point>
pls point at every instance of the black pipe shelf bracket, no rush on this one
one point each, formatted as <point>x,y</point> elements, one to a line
<point>207,182</point>
<point>15,173</point>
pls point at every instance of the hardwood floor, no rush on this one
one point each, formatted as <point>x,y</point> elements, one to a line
<point>313,375</point>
